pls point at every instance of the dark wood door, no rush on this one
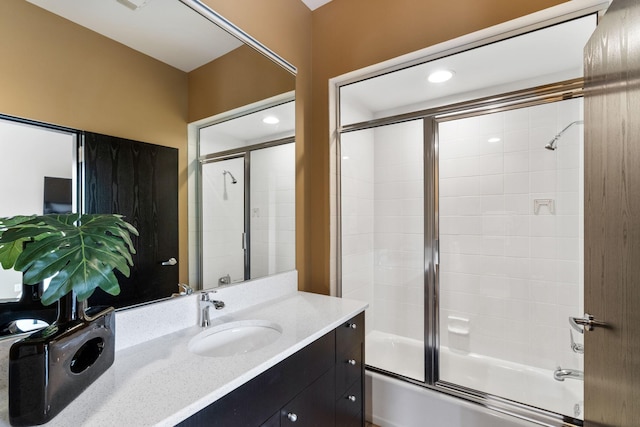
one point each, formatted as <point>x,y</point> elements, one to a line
<point>140,181</point>
<point>612,217</point>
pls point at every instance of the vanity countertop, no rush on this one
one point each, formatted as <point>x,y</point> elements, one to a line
<point>160,382</point>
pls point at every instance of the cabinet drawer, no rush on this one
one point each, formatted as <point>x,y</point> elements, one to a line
<point>314,407</point>
<point>348,368</point>
<point>350,406</point>
<point>349,334</point>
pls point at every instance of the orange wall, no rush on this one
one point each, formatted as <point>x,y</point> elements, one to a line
<point>55,71</point>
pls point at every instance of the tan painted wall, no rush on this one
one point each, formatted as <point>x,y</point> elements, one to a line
<point>54,71</point>
<point>241,77</point>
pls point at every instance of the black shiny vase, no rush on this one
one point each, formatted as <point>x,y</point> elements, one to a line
<point>52,366</point>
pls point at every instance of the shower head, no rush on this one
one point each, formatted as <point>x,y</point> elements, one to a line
<point>552,144</point>
<point>233,179</point>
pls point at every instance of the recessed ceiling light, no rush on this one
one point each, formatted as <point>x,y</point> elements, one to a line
<point>440,76</point>
<point>271,120</point>
<point>494,139</point>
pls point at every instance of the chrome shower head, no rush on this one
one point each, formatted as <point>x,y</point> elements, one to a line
<point>233,179</point>
<point>552,144</point>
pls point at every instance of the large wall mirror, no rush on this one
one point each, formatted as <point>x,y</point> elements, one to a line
<point>134,70</point>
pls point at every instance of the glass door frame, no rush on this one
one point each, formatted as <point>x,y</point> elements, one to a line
<point>245,240</point>
<point>560,91</point>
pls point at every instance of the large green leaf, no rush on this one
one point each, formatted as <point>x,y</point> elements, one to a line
<point>78,253</point>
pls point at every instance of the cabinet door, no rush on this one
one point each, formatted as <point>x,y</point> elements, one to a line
<point>314,407</point>
<point>349,407</point>
<point>139,181</point>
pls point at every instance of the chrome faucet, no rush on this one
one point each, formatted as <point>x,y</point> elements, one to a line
<point>560,374</point>
<point>205,303</point>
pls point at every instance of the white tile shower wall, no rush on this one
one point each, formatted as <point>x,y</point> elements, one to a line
<point>222,222</point>
<point>382,226</point>
<point>515,274</point>
<point>399,229</point>
<point>357,205</point>
<point>272,210</point>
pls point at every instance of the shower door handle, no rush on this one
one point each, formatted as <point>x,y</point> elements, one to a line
<point>586,323</point>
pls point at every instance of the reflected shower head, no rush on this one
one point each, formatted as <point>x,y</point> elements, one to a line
<point>233,179</point>
<point>552,144</point>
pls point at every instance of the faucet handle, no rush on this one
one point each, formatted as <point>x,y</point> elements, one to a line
<point>575,347</point>
<point>185,289</point>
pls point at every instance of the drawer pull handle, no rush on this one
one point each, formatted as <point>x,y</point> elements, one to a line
<point>351,398</point>
<point>292,417</point>
<point>351,362</point>
<point>352,325</point>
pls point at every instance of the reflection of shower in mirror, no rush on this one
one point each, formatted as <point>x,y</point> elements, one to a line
<point>225,195</point>
<point>233,179</point>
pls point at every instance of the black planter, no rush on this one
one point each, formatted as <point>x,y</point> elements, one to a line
<point>51,367</point>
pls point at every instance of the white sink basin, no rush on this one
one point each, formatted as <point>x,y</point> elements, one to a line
<point>234,338</point>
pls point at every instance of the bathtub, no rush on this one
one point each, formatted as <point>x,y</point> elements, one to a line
<point>396,403</point>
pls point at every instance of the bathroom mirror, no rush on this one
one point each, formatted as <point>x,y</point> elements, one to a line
<point>134,69</point>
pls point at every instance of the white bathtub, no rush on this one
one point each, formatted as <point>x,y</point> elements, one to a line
<point>396,403</point>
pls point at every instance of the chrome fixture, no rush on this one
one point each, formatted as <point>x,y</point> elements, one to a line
<point>185,289</point>
<point>561,374</point>
<point>233,179</point>
<point>552,144</point>
<point>224,280</point>
<point>575,347</point>
<point>588,322</point>
<point>170,261</point>
<point>205,303</point>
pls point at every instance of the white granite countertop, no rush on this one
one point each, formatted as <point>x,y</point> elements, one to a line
<point>160,382</point>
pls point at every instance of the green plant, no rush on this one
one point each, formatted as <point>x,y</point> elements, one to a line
<point>78,252</point>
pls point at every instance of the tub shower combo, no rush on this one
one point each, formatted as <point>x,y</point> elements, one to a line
<point>462,226</point>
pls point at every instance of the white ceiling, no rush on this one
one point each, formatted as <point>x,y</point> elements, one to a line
<point>163,29</point>
<point>314,4</point>
<point>540,57</point>
<point>249,129</point>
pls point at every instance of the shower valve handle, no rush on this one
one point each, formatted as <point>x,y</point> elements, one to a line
<point>588,322</point>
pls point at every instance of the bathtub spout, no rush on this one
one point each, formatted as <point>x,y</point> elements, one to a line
<point>560,374</point>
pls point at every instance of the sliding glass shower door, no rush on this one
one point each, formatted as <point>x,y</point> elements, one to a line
<point>382,201</point>
<point>464,234</point>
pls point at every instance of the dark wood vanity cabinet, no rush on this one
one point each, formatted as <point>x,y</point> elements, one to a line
<point>321,385</point>
<point>350,373</point>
